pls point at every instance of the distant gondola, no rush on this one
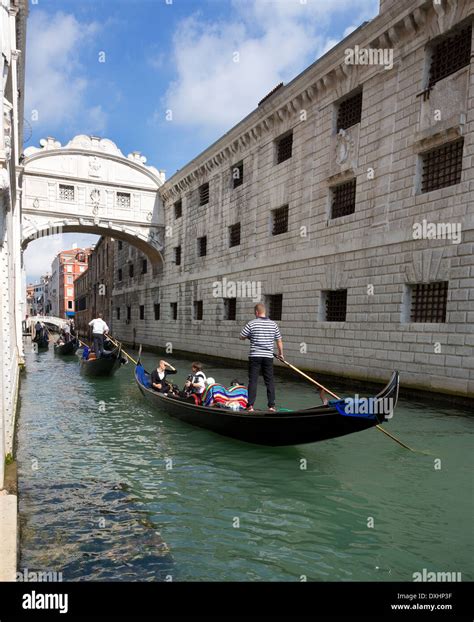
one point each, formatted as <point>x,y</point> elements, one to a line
<point>42,343</point>
<point>105,365</point>
<point>69,347</point>
<point>273,428</point>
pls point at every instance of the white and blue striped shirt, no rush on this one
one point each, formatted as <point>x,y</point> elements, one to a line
<point>262,333</point>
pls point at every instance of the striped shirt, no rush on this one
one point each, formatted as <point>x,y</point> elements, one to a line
<point>262,333</point>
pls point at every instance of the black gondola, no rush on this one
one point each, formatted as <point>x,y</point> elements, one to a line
<point>42,343</point>
<point>105,365</point>
<point>67,348</point>
<point>275,428</point>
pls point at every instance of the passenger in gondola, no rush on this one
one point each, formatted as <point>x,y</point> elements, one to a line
<point>196,382</point>
<point>159,375</point>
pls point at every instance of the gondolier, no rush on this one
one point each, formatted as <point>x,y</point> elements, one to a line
<point>262,333</point>
<point>99,329</point>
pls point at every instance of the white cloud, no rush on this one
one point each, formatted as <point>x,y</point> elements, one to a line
<point>224,68</point>
<point>56,84</point>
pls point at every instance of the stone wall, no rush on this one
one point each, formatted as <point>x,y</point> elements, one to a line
<point>372,253</point>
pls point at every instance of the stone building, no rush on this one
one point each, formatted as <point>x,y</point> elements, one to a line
<point>93,288</point>
<point>344,200</point>
<point>66,267</point>
<point>12,40</point>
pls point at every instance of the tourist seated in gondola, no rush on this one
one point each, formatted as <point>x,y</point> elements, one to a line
<point>234,397</point>
<point>195,383</point>
<point>159,375</point>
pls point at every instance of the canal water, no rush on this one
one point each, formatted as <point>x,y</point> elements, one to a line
<point>112,490</point>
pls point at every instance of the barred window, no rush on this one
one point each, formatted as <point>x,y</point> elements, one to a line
<point>120,245</point>
<point>204,194</point>
<point>238,175</point>
<point>280,220</point>
<point>442,166</point>
<point>119,274</point>
<point>343,199</point>
<point>202,246</point>
<point>234,234</point>
<point>198,307</point>
<point>118,313</point>
<point>275,305</point>
<point>429,302</point>
<point>174,310</point>
<point>450,54</point>
<point>66,193</point>
<point>336,305</point>
<point>131,270</point>
<point>177,255</point>
<point>129,313</point>
<point>142,312</point>
<point>230,308</point>
<point>123,200</point>
<point>157,310</point>
<point>284,146</point>
<point>178,209</point>
<point>144,266</point>
<point>349,112</point>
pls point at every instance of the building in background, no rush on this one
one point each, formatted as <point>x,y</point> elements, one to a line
<point>93,288</point>
<point>66,267</point>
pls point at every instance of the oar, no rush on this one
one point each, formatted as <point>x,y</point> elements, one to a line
<point>280,358</point>
<point>126,353</point>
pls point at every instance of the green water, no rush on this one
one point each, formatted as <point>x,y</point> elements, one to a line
<point>111,489</point>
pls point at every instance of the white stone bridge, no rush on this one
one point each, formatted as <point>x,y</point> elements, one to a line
<point>89,186</point>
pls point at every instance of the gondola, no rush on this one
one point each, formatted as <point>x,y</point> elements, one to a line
<point>105,365</point>
<point>275,428</point>
<point>67,348</point>
<point>42,343</point>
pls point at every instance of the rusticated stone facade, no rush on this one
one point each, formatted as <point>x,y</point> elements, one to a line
<point>373,252</point>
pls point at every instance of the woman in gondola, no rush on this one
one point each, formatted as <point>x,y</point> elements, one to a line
<point>158,377</point>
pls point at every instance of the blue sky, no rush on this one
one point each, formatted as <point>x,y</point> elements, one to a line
<point>209,62</point>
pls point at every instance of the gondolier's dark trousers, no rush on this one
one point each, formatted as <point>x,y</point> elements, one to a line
<point>98,344</point>
<point>257,363</point>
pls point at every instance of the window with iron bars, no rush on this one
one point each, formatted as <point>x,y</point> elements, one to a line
<point>230,308</point>
<point>238,175</point>
<point>274,305</point>
<point>118,313</point>
<point>144,266</point>
<point>157,310</point>
<point>129,314</point>
<point>178,209</point>
<point>174,310</point>
<point>202,246</point>
<point>177,255</point>
<point>280,220</point>
<point>234,234</point>
<point>284,147</point>
<point>119,274</point>
<point>204,194</point>
<point>336,305</point>
<point>429,302</point>
<point>450,54</point>
<point>142,312</point>
<point>120,245</point>
<point>198,309</point>
<point>123,200</point>
<point>131,270</point>
<point>66,193</point>
<point>442,166</point>
<point>343,199</point>
<point>349,112</point>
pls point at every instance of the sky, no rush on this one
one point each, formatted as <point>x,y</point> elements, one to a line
<point>164,77</point>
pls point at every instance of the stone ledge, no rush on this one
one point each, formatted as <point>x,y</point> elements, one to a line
<point>8,536</point>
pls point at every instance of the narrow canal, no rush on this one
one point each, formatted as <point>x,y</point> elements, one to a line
<point>110,489</point>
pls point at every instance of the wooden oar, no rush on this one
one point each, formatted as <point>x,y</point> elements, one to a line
<point>126,353</point>
<point>379,427</point>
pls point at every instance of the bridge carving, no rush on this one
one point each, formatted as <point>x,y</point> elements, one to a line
<point>89,186</point>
